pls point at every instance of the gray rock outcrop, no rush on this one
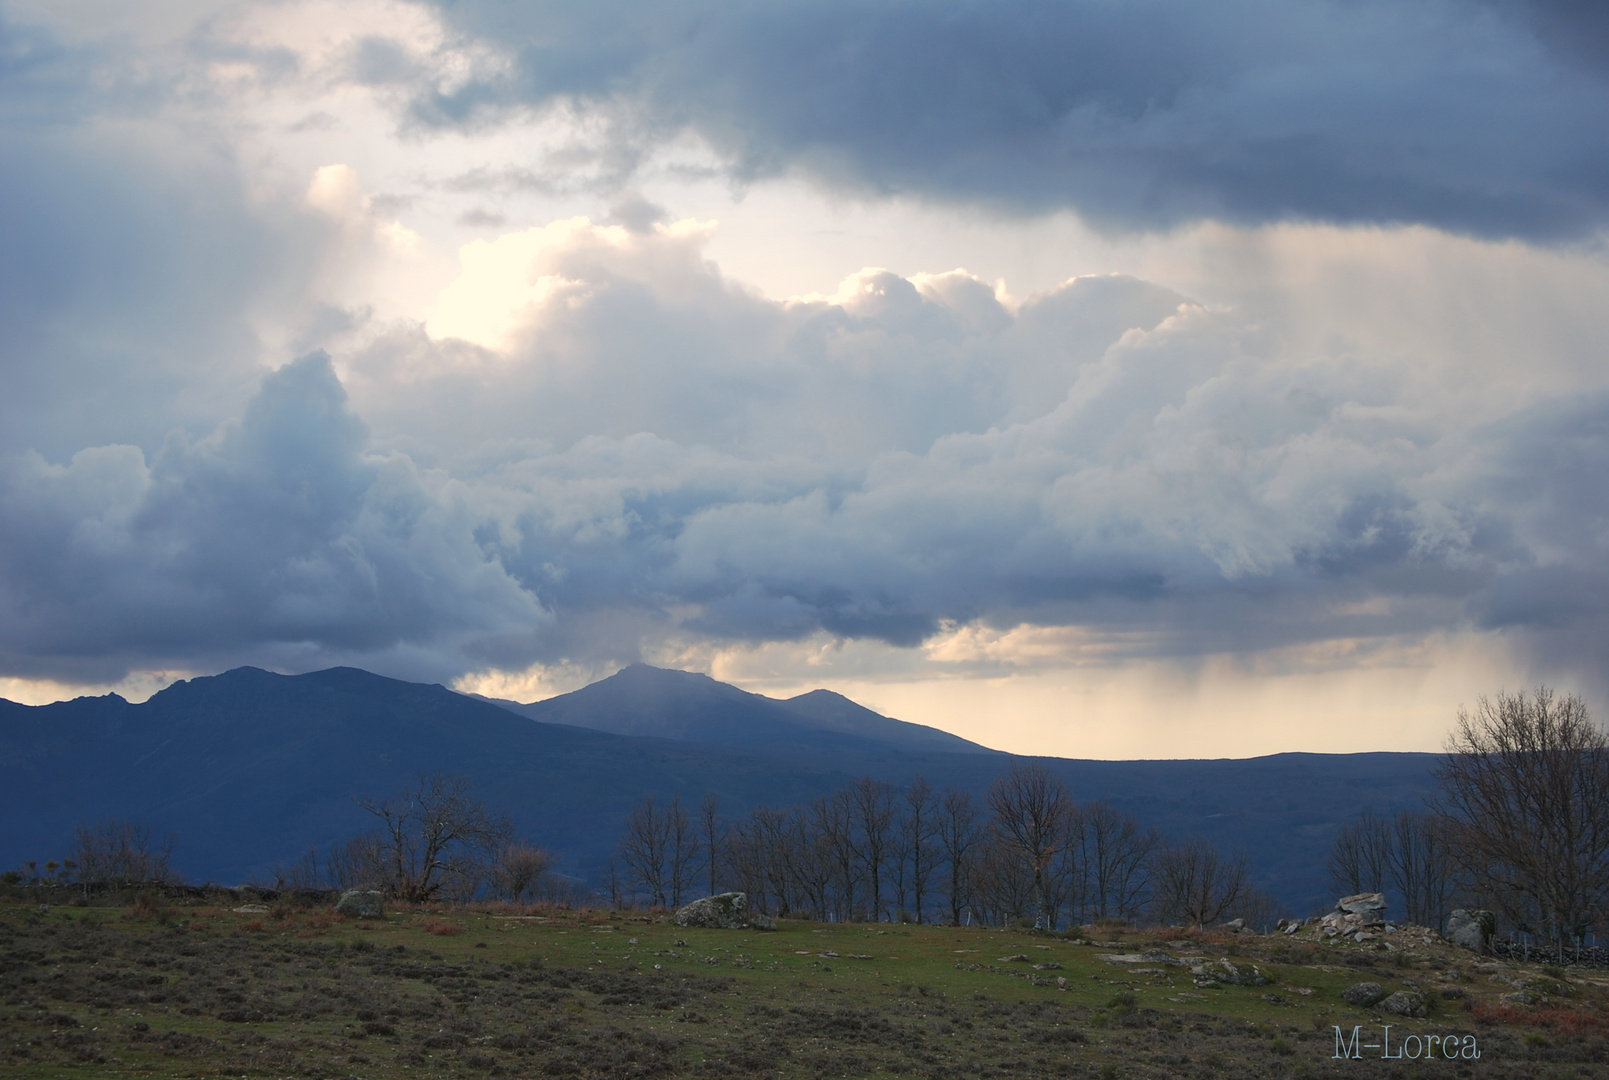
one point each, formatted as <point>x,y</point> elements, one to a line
<point>1363,994</point>
<point>1362,903</point>
<point>1472,929</point>
<point>361,904</point>
<point>728,911</point>
<point>1354,914</point>
<point>1405,1003</point>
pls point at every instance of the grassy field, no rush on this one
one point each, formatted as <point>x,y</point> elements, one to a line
<point>206,991</point>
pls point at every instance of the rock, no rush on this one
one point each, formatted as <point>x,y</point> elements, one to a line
<point>1519,997</point>
<point>728,911</point>
<point>1405,1003</point>
<point>1472,929</point>
<point>361,904</point>
<point>1222,971</point>
<point>1363,994</point>
<point>1361,903</point>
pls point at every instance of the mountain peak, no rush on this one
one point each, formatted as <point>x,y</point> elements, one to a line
<point>690,706</point>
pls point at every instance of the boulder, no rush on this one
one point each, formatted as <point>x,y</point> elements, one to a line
<point>1361,902</point>
<point>1235,925</point>
<point>1363,994</point>
<point>1405,1003</point>
<point>1472,929</point>
<point>728,911</point>
<point>1219,972</point>
<point>361,904</point>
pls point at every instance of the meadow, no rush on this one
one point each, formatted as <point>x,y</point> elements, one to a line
<point>254,990</point>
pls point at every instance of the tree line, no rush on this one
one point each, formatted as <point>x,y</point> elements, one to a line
<point>1026,854</point>
<point>1519,824</point>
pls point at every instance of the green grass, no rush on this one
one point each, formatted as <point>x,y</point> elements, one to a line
<point>211,992</point>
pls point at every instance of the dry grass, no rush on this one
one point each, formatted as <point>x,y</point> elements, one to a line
<point>521,991</point>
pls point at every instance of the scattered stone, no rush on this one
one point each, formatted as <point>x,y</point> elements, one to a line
<point>250,909</point>
<point>1472,929</point>
<point>1519,997</point>
<point>1019,958</point>
<point>1363,994</point>
<point>361,904</point>
<point>1405,1003</point>
<point>1222,971</point>
<point>1049,965</point>
<point>1061,983</point>
<point>728,911</point>
<point>1154,957</point>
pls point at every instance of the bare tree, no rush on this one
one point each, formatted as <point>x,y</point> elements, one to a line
<point>302,874</point>
<point>712,835</point>
<point>517,871</point>
<point>958,838</point>
<point>1031,808</point>
<point>1360,856</point>
<point>359,863</point>
<point>644,849</point>
<point>1117,859</point>
<point>1196,886</point>
<point>120,853</point>
<point>833,820</point>
<point>682,849</point>
<point>871,804</point>
<point>920,827</point>
<point>1422,869</point>
<point>434,831</point>
<point>1525,790</point>
<point>1002,886</point>
<point>1260,910</point>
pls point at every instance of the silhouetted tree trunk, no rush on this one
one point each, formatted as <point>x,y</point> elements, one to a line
<point>871,805</point>
<point>920,828</point>
<point>710,825</point>
<point>681,849</point>
<point>958,837</point>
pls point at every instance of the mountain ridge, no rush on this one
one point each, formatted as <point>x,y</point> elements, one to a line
<point>642,700</point>
<point>249,768</point>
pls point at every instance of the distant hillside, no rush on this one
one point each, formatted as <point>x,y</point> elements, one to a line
<point>649,701</point>
<point>248,768</point>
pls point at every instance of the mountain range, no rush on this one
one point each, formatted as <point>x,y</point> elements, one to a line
<point>249,768</point>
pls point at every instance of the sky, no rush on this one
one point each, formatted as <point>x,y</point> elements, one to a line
<point>1102,378</point>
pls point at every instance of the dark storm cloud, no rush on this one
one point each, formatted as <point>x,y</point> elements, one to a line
<point>273,531</point>
<point>1460,115</point>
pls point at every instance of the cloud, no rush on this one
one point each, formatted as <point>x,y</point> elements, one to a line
<point>1480,118</point>
<point>275,533</point>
